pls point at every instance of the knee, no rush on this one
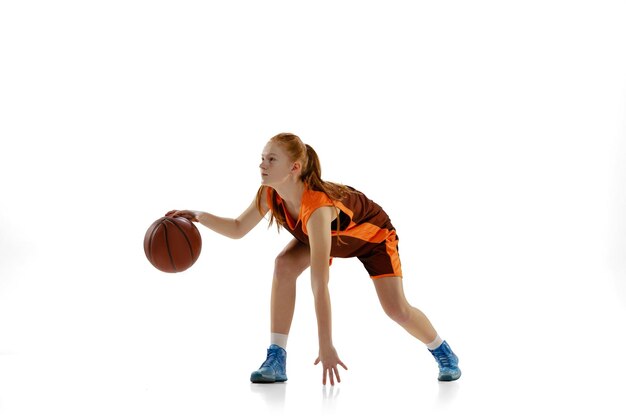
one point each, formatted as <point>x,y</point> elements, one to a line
<point>399,312</point>
<point>287,267</point>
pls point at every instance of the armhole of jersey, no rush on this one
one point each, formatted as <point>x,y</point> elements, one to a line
<point>343,219</point>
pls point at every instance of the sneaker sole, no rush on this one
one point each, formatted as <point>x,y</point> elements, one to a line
<point>448,378</point>
<point>263,379</point>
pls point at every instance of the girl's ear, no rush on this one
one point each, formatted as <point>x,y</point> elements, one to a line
<point>296,167</point>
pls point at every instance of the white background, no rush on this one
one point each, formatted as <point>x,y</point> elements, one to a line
<point>492,132</point>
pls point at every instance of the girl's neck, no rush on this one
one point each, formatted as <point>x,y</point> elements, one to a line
<point>291,194</point>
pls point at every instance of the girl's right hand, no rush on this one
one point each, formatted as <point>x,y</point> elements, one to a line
<point>330,362</point>
<point>191,215</point>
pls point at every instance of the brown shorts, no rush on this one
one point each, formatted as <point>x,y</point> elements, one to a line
<point>384,259</point>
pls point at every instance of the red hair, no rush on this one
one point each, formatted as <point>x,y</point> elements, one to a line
<point>311,176</point>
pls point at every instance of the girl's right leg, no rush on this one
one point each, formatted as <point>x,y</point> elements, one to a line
<point>289,264</point>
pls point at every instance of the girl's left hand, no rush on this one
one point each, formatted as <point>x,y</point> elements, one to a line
<point>329,359</point>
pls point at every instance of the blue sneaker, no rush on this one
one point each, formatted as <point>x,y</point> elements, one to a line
<point>274,368</point>
<point>447,361</point>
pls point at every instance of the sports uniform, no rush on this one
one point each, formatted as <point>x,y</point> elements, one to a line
<point>365,231</point>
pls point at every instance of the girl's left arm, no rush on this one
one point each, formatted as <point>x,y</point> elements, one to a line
<point>319,231</point>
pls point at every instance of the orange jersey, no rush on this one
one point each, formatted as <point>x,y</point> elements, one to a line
<point>364,228</point>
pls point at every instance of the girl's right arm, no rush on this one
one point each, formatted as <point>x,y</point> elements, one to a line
<point>231,228</point>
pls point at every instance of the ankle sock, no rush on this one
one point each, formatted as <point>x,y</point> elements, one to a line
<point>279,339</point>
<point>435,343</point>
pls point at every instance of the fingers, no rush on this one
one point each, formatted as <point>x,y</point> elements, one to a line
<point>175,213</point>
<point>329,374</point>
<point>330,370</point>
<point>187,214</point>
<point>337,374</point>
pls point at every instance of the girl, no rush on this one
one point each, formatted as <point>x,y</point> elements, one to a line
<point>327,220</point>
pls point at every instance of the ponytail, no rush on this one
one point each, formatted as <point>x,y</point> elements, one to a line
<point>312,177</point>
<point>312,173</point>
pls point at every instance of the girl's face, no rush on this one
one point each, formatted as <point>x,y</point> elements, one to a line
<point>276,167</point>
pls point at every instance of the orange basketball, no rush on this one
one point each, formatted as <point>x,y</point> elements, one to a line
<point>172,245</point>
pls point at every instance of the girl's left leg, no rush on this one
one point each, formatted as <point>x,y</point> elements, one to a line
<point>391,295</point>
<point>392,299</point>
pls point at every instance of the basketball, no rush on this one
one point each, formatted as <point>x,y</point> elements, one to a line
<point>172,245</point>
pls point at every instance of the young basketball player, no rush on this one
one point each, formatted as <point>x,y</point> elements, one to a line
<point>327,220</point>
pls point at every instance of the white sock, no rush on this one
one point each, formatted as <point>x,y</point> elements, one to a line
<point>435,343</point>
<point>279,339</point>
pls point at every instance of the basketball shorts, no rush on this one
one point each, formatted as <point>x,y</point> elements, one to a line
<point>384,259</point>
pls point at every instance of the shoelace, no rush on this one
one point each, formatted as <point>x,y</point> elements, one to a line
<point>442,359</point>
<point>271,358</point>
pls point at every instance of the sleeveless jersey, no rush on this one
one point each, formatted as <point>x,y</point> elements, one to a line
<point>363,224</point>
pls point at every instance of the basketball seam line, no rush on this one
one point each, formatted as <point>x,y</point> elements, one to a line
<point>152,234</point>
<point>184,235</point>
<point>167,245</point>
